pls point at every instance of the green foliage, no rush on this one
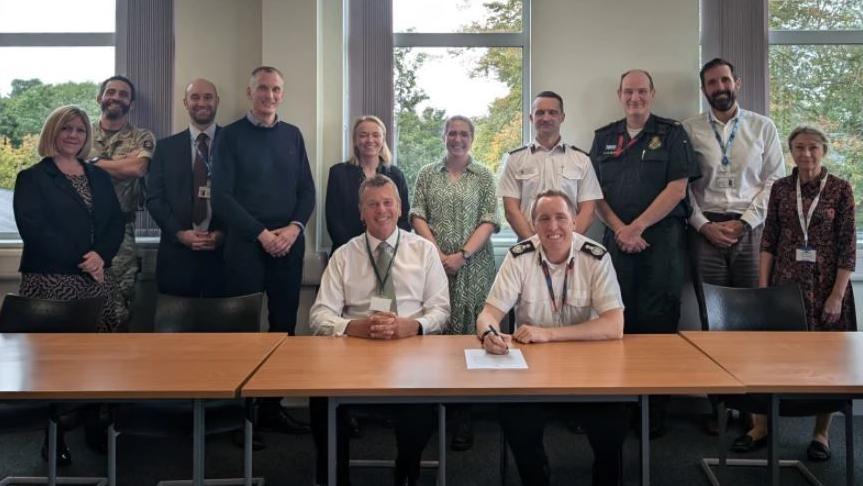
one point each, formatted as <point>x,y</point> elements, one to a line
<point>821,85</point>
<point>13,159</point>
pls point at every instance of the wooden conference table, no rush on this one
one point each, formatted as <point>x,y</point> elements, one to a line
<point>789,364</point>
<point>130,366</point>
<point>432,369</point>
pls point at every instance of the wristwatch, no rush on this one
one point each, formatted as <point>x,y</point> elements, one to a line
<point>466,254</point>
<point>483,335</point>
<point>746,226</point>
<point>93,160</point>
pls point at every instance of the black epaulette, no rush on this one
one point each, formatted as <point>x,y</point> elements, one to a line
<point>522,247</point>
<point>610,125</point>
<point>518,149</point>
<point>593,249</point>
<point>573,147</point>
<point>664,125</point>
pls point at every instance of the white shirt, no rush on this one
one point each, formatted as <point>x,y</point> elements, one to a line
<point>211,134</point>
<point>756,162</point>
<point>349,282</point>
<point>592,286</point>
<point>532,169</point>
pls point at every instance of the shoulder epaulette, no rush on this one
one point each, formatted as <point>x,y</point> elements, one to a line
<point>518,149</point>
<point>594,249</point>
<point>667,121</point>
<point>522,248</point>
<point>610,125</point>
<point>573,147</point>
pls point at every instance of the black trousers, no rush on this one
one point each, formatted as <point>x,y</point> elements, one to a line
<point>191,273</point>
<point>605,424</point>
<point>250,269</point>
<point>414,425</point>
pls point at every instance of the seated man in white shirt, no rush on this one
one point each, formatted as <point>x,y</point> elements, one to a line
<point>564,288</point>
<point>384,284</point>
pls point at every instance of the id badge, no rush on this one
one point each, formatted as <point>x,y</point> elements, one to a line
<point>806,255</point>
<point>724,182</point>
<point>380,304</point>
<point>204,192</point>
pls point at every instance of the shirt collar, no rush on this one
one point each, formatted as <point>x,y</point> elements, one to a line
<point>259,123</point>
<point>468,168</point>
<point>210,131</point>
<point>391,239</point>
<point>712,118</point>
<point>560,147</point>
<point>542,256</point>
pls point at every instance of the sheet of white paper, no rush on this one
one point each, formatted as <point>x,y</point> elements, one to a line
<point>479,359</point>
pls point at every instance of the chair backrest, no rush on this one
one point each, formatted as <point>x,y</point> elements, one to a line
<point>754,309</point>
<point>26,314</point>
<point>195,314</point>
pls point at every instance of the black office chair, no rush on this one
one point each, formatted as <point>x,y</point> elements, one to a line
<point>29,315</point>
<point>175,418</point>
<point>778,308</point>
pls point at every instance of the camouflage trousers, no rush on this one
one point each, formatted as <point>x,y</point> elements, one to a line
<point>124,267</point>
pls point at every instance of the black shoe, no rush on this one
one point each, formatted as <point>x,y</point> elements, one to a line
<point>462,437</point>
<point>238,437</point>
<point>745,443</point>
<point>818,452</point>
<point>64,457</point>
<point>280,420</point>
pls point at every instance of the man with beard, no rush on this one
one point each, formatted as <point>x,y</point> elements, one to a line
<point>644,163</point>
<point>547,163</point>
<point>740,156</point>
<point>124,152</point>
<point>189,262</point>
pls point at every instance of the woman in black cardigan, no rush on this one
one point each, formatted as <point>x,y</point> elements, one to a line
<point>68,217</point>
<point>370,156</point>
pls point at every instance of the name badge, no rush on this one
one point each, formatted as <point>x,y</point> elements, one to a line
<point>380,304</point>
<point>725,182</point>
<point>806,255</point>
<point>204,192</point>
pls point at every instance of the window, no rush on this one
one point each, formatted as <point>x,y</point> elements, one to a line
<point>459,57</point>
<point>816,77</point>
<point>48,61</point>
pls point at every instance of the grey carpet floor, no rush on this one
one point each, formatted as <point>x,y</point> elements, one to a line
<point>289,459</point>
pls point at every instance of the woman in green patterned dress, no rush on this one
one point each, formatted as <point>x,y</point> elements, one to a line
<point>455,208</point>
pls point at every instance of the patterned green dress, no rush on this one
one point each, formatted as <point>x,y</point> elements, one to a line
<point>453,210</point>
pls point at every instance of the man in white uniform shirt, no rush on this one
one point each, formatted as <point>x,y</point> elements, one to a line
<point>384,284</point>
<point>740,156</point>
<point>547,163</point>
<point>564,288</point>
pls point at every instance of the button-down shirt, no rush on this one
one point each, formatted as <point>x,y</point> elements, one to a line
<point>592,286</point>
<point>211,135</point>
<point>533,169</point>
<point>349,283</point>
<point>756,162</point>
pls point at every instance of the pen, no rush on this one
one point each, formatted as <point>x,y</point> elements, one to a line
<point>494,331</point>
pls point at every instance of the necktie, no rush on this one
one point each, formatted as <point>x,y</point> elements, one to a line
<point>383,258</point>
<point>200,175</point>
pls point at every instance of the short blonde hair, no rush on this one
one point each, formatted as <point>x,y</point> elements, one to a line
<point>54,125</point>
<point>809,130</point>
<point>385,155</point>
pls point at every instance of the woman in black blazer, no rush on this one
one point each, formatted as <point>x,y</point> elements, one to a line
<point>68,217</point>
<point>370,155</point>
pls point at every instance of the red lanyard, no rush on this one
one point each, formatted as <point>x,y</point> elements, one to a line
<point>621,148</point>
<point>551,288</point>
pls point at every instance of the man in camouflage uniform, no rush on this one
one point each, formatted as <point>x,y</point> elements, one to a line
<point>124,152</point>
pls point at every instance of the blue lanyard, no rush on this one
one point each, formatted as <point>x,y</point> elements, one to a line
<point>727,147</point>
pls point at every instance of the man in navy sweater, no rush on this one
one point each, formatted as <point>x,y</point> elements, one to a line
<point>264,193</point>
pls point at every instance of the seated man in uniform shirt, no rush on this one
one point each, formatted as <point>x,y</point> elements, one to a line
<point>384,284</point>
<point>564,288</point>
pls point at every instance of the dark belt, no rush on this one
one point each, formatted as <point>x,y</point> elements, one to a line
<point>130,216</point>
<point>721,217</point>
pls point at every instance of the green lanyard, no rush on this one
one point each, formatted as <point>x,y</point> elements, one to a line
<point>382,281</point>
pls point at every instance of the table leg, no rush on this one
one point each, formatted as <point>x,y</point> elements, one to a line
<point>644,406</point>
<point>248,432</point>
<point>773,440</point>
<point>849,443</point>
<point>331,441</point>
<point>441,430</point>
<point>198,443</point>
<point>52,450</point>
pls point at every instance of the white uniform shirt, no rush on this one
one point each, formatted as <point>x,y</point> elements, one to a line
<point>211,134</point>
<point>756,162</point>
<point>349,282</point>
<point>533,169</point>
<point>592,286</point>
